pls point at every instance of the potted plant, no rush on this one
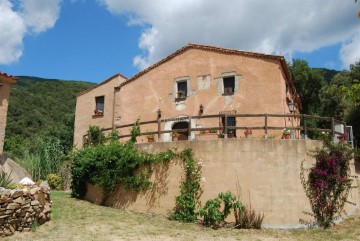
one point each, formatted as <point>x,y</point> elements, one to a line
<point>248,133</point>
<point>150,138</point>
<point>181,94</point>
<point>231,134</point>
<point>175,136</point>
<point>286,133</point>
<point>98,112</point>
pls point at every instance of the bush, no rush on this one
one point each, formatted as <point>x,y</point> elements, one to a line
<point>54,181</point>
<point>247,218</point>
<point>5,180</point>
<point>328,183</point>
<point>211,211</point>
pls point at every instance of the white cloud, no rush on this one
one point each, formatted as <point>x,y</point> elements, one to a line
<point>31,16</point>
<point>350,51</point>
<point>278,26</point>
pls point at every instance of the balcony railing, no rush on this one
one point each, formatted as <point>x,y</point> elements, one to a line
<point>324,124</point>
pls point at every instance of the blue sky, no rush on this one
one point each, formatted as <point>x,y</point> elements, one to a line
<point>92,40</point>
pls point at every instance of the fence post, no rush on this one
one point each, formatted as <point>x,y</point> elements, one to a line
<point>305,127</point>
<point>266,126</point>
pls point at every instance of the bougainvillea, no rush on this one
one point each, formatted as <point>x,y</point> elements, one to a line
<point>329,181</point>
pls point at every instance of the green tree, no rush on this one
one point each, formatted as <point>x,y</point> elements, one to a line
<point>308,83</point>
<point>341,98</point>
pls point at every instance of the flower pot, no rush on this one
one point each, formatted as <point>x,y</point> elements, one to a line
<point>287,136</point>
<point>175,138</point>
<point>151,139</point>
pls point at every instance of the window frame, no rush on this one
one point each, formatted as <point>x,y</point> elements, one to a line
<point>235,85</point>
<point>176,95</point>
<point>98,110</point>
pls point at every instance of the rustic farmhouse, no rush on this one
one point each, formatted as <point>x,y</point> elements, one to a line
<point>202,90</point>
<point>195,80</point>
<point>5,85</point>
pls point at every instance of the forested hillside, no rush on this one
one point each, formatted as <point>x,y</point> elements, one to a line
<point>41,110</point>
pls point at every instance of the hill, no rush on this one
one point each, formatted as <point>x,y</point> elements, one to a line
<point>41,107</point>
<point>328,74</point>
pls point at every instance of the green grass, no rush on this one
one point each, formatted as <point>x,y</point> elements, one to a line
<point>74,219</point>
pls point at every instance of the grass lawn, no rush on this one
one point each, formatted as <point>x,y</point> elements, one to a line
<point>74,219</point>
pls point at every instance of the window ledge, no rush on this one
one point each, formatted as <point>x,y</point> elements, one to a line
<point>180,99</point>
<point>98,115</point>
<point>227,94</point>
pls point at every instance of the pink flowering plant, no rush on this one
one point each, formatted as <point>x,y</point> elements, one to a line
<point>328,182</point>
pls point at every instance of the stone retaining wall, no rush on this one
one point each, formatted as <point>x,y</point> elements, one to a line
<point>21,208</point>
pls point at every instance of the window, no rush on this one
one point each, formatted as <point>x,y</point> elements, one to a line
<point>231,122</point>
<point>229,85</point>
<point>181,90</point>
<point>99,109</point>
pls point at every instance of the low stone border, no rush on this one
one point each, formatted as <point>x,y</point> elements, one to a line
<point>22,208</point>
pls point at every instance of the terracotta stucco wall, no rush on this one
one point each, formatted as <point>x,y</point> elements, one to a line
<point>4,102</point>
<point>261,89</point>
<point>263,172</point>
<point>85,106</point>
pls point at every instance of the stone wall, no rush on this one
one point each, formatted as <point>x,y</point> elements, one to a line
<point>21,208</point>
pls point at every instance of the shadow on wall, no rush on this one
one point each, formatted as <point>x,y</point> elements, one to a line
<point>124,198</point>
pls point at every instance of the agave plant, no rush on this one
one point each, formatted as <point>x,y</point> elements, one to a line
<point>5,179</point>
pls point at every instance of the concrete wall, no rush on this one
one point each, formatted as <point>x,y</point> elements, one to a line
<point>263,172</point>
<point>4,102</point>
<point>85,106</point>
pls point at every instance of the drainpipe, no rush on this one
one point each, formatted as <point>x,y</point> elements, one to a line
<point>116,89</point>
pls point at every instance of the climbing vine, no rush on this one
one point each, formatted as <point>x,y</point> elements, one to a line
<point>328,181</point>
<point>188,200</point>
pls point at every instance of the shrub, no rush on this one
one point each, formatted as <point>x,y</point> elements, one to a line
<point>328,183</point>
<point>5,179</point>
<point>54,181</point>
<point>247,218</point>
<point>211,211</point>
<point>94,136</point>
<point>113,164</point>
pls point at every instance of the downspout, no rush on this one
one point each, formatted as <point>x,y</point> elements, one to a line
<point>116,89</point>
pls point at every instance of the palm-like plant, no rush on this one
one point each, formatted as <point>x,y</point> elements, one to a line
<point>5,179</point>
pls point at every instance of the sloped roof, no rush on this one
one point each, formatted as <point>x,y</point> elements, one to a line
<point>101,83</point>
<point>7,78</point>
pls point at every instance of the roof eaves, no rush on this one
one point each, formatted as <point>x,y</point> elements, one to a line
<point>100,84</point>
<point>8,78</point>
<point>205,48</point>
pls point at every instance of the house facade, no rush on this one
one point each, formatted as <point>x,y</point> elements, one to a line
<point>5,85</point>
<point>193,81</point>
<point>95,107</point>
